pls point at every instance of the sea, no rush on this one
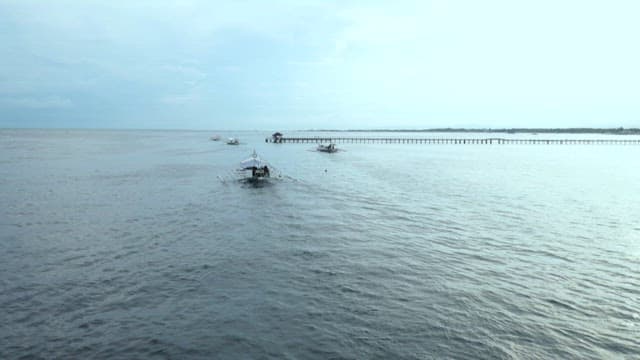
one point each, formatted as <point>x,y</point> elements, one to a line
<point>141,244</point>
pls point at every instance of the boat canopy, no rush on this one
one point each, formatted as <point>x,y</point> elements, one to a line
<point>253,162</point>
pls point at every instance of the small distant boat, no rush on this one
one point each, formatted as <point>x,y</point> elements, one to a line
<point>233,141</point>
<point>331,148</point>
<point>258,167</point>
<point>215,138</point>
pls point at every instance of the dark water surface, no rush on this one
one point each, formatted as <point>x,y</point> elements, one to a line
<point>126,244</point>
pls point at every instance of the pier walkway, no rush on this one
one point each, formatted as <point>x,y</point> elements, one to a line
<point>460,141</point>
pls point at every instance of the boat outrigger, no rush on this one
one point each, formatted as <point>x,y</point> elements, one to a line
<point>331,148</point>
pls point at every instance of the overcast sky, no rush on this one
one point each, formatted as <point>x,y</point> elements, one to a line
<point>319,64</point>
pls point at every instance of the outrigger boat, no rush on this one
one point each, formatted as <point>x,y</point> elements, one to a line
<point>233,141</point>
<point>262,172</point>
<point>259,168</point>
<point>331,148</point>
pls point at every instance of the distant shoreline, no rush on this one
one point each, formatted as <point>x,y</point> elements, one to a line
<point>609,131</point>
<point>612,131</point>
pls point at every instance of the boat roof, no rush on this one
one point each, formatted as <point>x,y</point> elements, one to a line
<point>253,162</point>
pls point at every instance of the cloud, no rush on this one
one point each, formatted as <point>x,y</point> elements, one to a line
<point>51,102</point>
<point>360,62</point>
<point>180,99</point>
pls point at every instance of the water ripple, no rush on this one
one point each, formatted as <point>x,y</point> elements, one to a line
<point>126,245</point>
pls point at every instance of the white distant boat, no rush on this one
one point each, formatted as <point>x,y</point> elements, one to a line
<point>233,141</point>
<point>215,138</point>
<point>331,148</point>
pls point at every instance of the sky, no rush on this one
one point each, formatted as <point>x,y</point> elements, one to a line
<point>311,64</point>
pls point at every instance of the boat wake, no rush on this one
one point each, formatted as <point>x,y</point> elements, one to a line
<point>241,179</point>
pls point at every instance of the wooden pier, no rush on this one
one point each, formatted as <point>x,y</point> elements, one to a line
<point>457,141</point>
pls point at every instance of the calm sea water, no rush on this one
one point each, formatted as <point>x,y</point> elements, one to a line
<point>126,244</point>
